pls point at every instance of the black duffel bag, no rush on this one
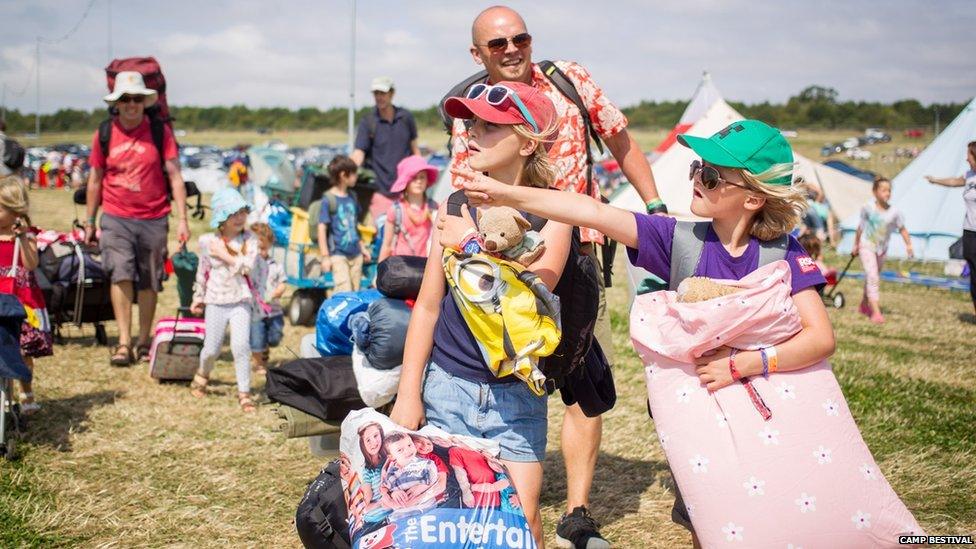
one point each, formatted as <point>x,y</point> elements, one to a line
<point>322,514</point>
<point>399,276</point>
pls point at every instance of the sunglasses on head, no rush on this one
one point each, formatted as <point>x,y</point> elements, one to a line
<point>132,99</point>
<point>520,41</point>
<point>497,94</point>
<point>710,177</point>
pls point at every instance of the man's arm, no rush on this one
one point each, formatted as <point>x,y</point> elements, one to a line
<point>414,147</point>
<point>358,156</point>
<point>634,164</point>
<point>179,195</point>
<point>93,199</point>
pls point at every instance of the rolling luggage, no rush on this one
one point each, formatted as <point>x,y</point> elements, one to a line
<point>176,346</point>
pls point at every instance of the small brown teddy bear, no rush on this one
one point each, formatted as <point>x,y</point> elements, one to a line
<point>699,288</point>
<point>506,233</point>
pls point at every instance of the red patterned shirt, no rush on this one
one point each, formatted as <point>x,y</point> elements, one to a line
<point>568,154</point>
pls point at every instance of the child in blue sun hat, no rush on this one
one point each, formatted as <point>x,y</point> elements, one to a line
<point>223,292</point>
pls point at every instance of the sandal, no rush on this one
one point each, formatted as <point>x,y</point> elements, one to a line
<point>198,387</point>
<point>142,352</point>
<point>122,355</point>
<point>27,404</point>
<point>247,404</point>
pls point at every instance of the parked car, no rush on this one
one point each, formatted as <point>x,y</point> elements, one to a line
<point>875,135</point>
<point>857,153</point>
<point>914,133</point>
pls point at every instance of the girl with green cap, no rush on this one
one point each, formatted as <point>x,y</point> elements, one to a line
<point>743,184</point>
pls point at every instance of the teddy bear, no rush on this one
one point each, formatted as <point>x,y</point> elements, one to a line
<point>504,232</point>
<point>699,288</point>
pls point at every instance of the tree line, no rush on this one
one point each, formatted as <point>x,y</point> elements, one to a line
<point>813,107</point>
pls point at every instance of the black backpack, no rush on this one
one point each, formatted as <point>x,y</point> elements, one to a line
<point>568,89</point>
<point>321,516</point>
<point>12,153</point>
<point>578,290</point>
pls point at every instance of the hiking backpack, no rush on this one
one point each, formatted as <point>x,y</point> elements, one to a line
<point>689,240</point>
<point>158,114</point>
<point>578,291</point>
<point>398,224</point>
<point>322,514</point>
<point>315,209</point>
<point>566,87</point>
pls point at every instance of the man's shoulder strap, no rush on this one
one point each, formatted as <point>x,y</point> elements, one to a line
<point>686,249</point>
<point>105,136</point>
<point>158,131</point>
<point>568,89</point>
<point>456,91</point>
<point>372,119</point>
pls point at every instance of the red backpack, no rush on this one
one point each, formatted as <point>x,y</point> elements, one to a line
<point>158,114</point>
<point>152,75</point>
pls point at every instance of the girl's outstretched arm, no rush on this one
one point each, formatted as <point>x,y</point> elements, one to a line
<point>565,207</point>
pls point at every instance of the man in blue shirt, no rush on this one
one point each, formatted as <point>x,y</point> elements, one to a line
<point>385,136</point>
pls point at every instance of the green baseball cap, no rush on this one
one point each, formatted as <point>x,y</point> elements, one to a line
<point>747,144</point>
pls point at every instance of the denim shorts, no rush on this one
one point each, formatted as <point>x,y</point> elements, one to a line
<point>266,332</point>
<point>508,413</point>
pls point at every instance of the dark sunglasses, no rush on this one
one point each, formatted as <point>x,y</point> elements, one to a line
<point>710,177</point>
<point>520,41</point>
<point>132,99</point>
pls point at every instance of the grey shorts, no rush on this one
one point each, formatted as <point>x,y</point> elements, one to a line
<point>134,250</point>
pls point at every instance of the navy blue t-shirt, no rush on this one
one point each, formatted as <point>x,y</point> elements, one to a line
<point>389,144</point>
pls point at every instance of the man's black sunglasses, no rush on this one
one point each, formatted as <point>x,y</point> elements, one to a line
<point>520,41</point>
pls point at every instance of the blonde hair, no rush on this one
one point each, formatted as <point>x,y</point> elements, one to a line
<point>14,197</point>
<point>539,171</point>
<point>784,203</point>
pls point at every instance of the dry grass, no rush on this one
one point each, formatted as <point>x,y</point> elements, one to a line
<point>116,460</point>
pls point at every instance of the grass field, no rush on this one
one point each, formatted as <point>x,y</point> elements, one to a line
<point>807,142</point>
<point>116,460</point>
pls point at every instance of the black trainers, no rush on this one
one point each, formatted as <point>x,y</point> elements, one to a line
<point>578,530</point>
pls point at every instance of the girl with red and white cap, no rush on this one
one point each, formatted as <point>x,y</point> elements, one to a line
<point>445,379</point>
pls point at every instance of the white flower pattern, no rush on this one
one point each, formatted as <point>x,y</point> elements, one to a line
<point>754,486</point>
<point>684,393</point>
<point>769,436</point>
<point>732,532</point>
<point>868,472</point>
<point>699,464</point>
<point>786,391</point>
<point>831,407</point>
<point>806,503</point>
<point>861,519</point>
<point>822,454</point>
<point>664,438</point>
<point>723,420</point>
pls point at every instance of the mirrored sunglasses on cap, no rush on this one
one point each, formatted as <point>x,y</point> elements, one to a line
<point>710,177</point>
<point>520,41</point>
<point>496,95</point>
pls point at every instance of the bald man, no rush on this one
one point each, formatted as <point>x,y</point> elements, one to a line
<point>501,43</point>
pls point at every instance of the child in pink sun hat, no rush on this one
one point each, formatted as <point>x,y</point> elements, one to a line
<point>409,221</point>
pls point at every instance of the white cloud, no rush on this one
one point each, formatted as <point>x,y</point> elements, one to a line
<point>297,53</point>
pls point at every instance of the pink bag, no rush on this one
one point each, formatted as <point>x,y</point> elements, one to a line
<point>804,477</point>
<point>176,346</point>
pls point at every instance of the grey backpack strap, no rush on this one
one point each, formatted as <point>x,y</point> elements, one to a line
<point>686,249</point>
<point>772,250</point>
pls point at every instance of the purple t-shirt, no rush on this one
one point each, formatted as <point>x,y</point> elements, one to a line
<point>653,253</point>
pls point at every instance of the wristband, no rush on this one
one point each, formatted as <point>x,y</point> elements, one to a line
<point>656,206</point>
<point>770,353</point>
<point>765,361</point>
<point>736,376</point>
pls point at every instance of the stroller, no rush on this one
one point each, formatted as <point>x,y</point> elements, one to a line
<point>829,293</point>
<point>12,367</point>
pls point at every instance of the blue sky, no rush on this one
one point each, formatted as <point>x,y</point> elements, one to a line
<point>296,53</point>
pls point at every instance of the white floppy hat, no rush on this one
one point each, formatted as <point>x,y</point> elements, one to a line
<point>131,83</point>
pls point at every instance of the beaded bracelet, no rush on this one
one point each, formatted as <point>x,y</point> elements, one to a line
<point>736,376</point>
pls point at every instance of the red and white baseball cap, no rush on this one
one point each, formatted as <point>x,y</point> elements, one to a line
<point>507,110</point>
